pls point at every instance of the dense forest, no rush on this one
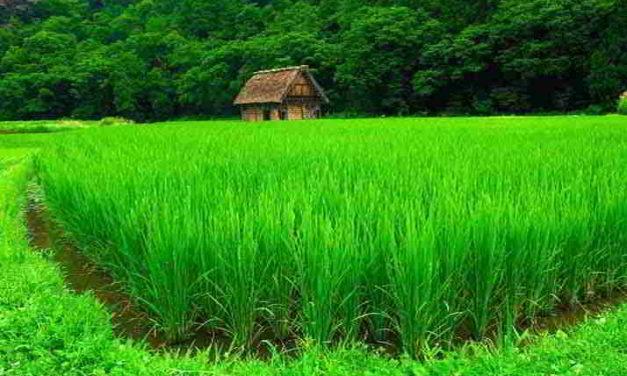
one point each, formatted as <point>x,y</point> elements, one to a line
<point>158,59</point>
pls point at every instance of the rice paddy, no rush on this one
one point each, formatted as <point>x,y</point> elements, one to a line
<point>413,233</point>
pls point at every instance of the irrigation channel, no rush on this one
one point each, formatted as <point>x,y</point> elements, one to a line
<point>81,275</point>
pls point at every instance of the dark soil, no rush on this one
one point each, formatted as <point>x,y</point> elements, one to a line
<point>569,315</point>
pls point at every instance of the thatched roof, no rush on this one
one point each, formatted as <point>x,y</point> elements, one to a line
<point>271,86</point>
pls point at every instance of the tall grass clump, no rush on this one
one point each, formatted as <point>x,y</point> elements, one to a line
<point>622,104</point>
<point>413,232</point>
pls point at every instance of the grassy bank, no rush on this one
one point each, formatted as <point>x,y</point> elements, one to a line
<point>51,126</point>
<point>43,126</point>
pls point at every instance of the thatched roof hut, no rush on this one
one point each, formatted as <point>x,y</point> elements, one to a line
<point>281,94</point>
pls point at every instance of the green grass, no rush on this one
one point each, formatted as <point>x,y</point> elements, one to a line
<point>45,330</point>
<point>51,126</point>
<point>422,232</point>
<point>43,126</point>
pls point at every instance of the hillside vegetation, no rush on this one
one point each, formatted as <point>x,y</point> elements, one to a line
<point>158,59</point>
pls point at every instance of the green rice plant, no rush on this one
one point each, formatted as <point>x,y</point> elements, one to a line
<point>416,233</point>
<point>416,288</point>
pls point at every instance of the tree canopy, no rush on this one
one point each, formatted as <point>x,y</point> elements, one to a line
<point>158,59</point>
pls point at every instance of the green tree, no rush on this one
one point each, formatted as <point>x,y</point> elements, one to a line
<point>378,55</point>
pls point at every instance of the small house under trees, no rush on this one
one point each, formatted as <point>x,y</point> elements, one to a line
<point>290,93</point>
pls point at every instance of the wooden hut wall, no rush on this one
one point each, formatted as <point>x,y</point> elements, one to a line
<point>294,111</point>
<point>306,109</point>
<point>252,114</point>
<point>257,113</point>
<point>302,87</point>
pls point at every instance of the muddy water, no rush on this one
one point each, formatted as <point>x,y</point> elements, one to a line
<point>81,276</point>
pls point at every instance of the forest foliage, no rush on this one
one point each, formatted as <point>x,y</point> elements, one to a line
<point>158,59</point>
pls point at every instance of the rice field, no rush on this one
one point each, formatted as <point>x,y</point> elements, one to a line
<point>411,232</point>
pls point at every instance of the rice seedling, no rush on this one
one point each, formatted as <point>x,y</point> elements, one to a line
<point>421,231</point>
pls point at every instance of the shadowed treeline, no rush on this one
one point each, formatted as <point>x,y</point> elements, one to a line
<point>160,59</point>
